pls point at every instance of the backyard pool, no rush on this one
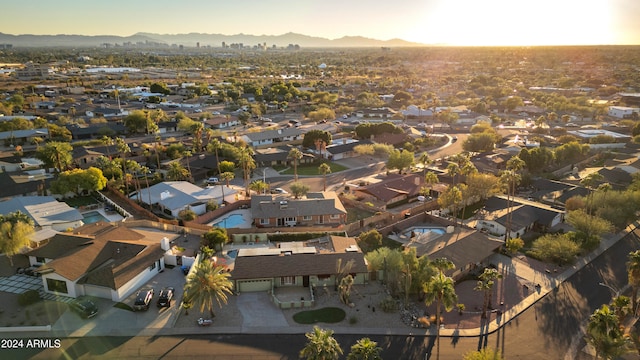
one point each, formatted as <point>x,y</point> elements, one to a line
<point>231,221</point>
<point>232,253</point>
<point>93,217</point>
<point>425,231</point>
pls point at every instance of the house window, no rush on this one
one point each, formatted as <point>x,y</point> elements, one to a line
<point>288,280</point>
<point>57,286</point>
<point>324,277</point>
<point>335,216</point>
<point>264,221</point>
<point>321,219</point>
<point>290,219</point>
<point>307,218</point>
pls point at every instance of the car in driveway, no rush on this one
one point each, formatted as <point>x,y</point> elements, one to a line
<point>84,307</point>
<point>143,299</point>
<point>165,297</point>
<point>279,191</point>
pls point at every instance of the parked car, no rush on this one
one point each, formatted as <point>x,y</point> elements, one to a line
<point>213,181</point>
<point>279,191</point>
<point>143,299</point>
<point>165,297</point>
<point>84,307</point>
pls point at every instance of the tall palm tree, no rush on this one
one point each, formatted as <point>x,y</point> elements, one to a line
<point>321,345</point>
<point>485,285</point>
<point>430,179</point>
<point>466,170</point>
<point>197,129</point>
<point>259,186</point>
<point>206,284</point>
<point>295,155</point>
<point>633,274</point>
<point>425,161</point>
<point>605,335</point>
<point>324,169</point>
<point>108,142</point>
<point>215,146</point>
<point>187,155</point>
<point>453,170</point>
<point>365,349</point>
<point>248,164</point>
<point>440,288</point>
<point>123,149</point>
<point>145,170</point>
<point>590,181</point>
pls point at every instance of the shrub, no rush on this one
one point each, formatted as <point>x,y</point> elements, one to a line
<point>389,305</point>
<point>28,298</point>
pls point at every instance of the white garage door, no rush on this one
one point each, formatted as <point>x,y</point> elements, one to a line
<point>254,285</point>
<point>97,291</point>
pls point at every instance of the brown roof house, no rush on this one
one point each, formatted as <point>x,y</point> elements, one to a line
<point>99,259</point>
<point>322,208</point>
<point>309,264</point>
<point>394,189</point>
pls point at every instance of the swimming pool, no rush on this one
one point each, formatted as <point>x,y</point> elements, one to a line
<point>419,230</point>
<point>232,253</point>
<point>93,217</point>
<point>231,221</point>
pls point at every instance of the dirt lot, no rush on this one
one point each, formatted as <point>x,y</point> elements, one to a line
<point>42,313</point>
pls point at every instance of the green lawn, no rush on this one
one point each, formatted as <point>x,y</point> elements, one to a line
<point>81,201</point>
<point>355,214</point>
<point>325,315</point>
<point>312,169</point>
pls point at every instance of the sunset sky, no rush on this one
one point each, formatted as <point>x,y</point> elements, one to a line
<point>452,22</point>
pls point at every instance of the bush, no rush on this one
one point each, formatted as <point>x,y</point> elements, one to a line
<point>29,297</point>
<point>389,305</point>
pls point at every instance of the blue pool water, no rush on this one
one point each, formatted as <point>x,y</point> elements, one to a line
<point>232,253</point>
<point>230,221</point>
<point>93,217</point>
<point>424,230</point>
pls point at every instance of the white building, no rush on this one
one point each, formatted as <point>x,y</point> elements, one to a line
<point>622,112</point>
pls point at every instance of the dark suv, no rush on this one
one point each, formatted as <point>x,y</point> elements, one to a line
<point>165,297</point>
<point>143,299</point>
<point>84,307</point>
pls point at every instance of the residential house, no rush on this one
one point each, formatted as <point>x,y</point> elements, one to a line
<point>412,111</point>
<point>45,211</point>
<point>24,183</point>
<point>343,148</point>
<point>84,157</point>
<point>100,260</point>
<point>79,132</point>
<point>622,112</point>
<point>269,137</point>
<point>171,197</point>
<point>298,264</point>
<point>525,215</point>
<point>22,137</point>
<point>381,114</point>
<point>279,156</point>
<point>222,122</point>
<point>323,208</point>
<point>395,188</point>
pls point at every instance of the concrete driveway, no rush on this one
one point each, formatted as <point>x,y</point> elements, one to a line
<point>259,312</point>
<point>115,321</point>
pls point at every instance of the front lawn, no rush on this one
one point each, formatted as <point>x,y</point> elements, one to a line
<point>79,201</point>
<point>325,315</point>
<point>312,169</point>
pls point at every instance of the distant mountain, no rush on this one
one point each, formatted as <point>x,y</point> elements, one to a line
<point>192,39</point>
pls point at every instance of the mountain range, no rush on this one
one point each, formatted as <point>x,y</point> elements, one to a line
<point>193,39</point>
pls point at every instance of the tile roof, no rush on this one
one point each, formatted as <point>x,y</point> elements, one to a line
<point>268,206</point>
<point>271,266</point>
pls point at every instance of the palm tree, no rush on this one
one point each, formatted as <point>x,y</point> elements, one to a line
<point>605,334</point>
<point>123,149</point>
<point>177,172</point>
<point>430,179</point>
<point>485,284</point>
<point>440,288</point>
<point>108,142</point>
<point>145,170</point>
<point>425,161</point>
<point>187,155</point>
<point>226,176</point>
<point>215,146</point>
<point>590,181</point>
<point>466,170</point>
<point>259,186</point>
<point>295,155</point>
<point>453,170</point>
<point>248,164</point>
<point>365,349</point>
<point>206,284</point>
<point>196,129</point>
<point>324,169</point>
<point>633,274</point>
<point>321,345</point>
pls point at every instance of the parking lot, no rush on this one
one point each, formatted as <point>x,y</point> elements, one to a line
<point>112,320</point>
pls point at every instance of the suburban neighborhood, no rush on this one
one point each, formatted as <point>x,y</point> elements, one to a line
<point>448,205</point>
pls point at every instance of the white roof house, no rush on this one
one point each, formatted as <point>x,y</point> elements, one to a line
<point>175,196</point>
<point>45,211</point>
